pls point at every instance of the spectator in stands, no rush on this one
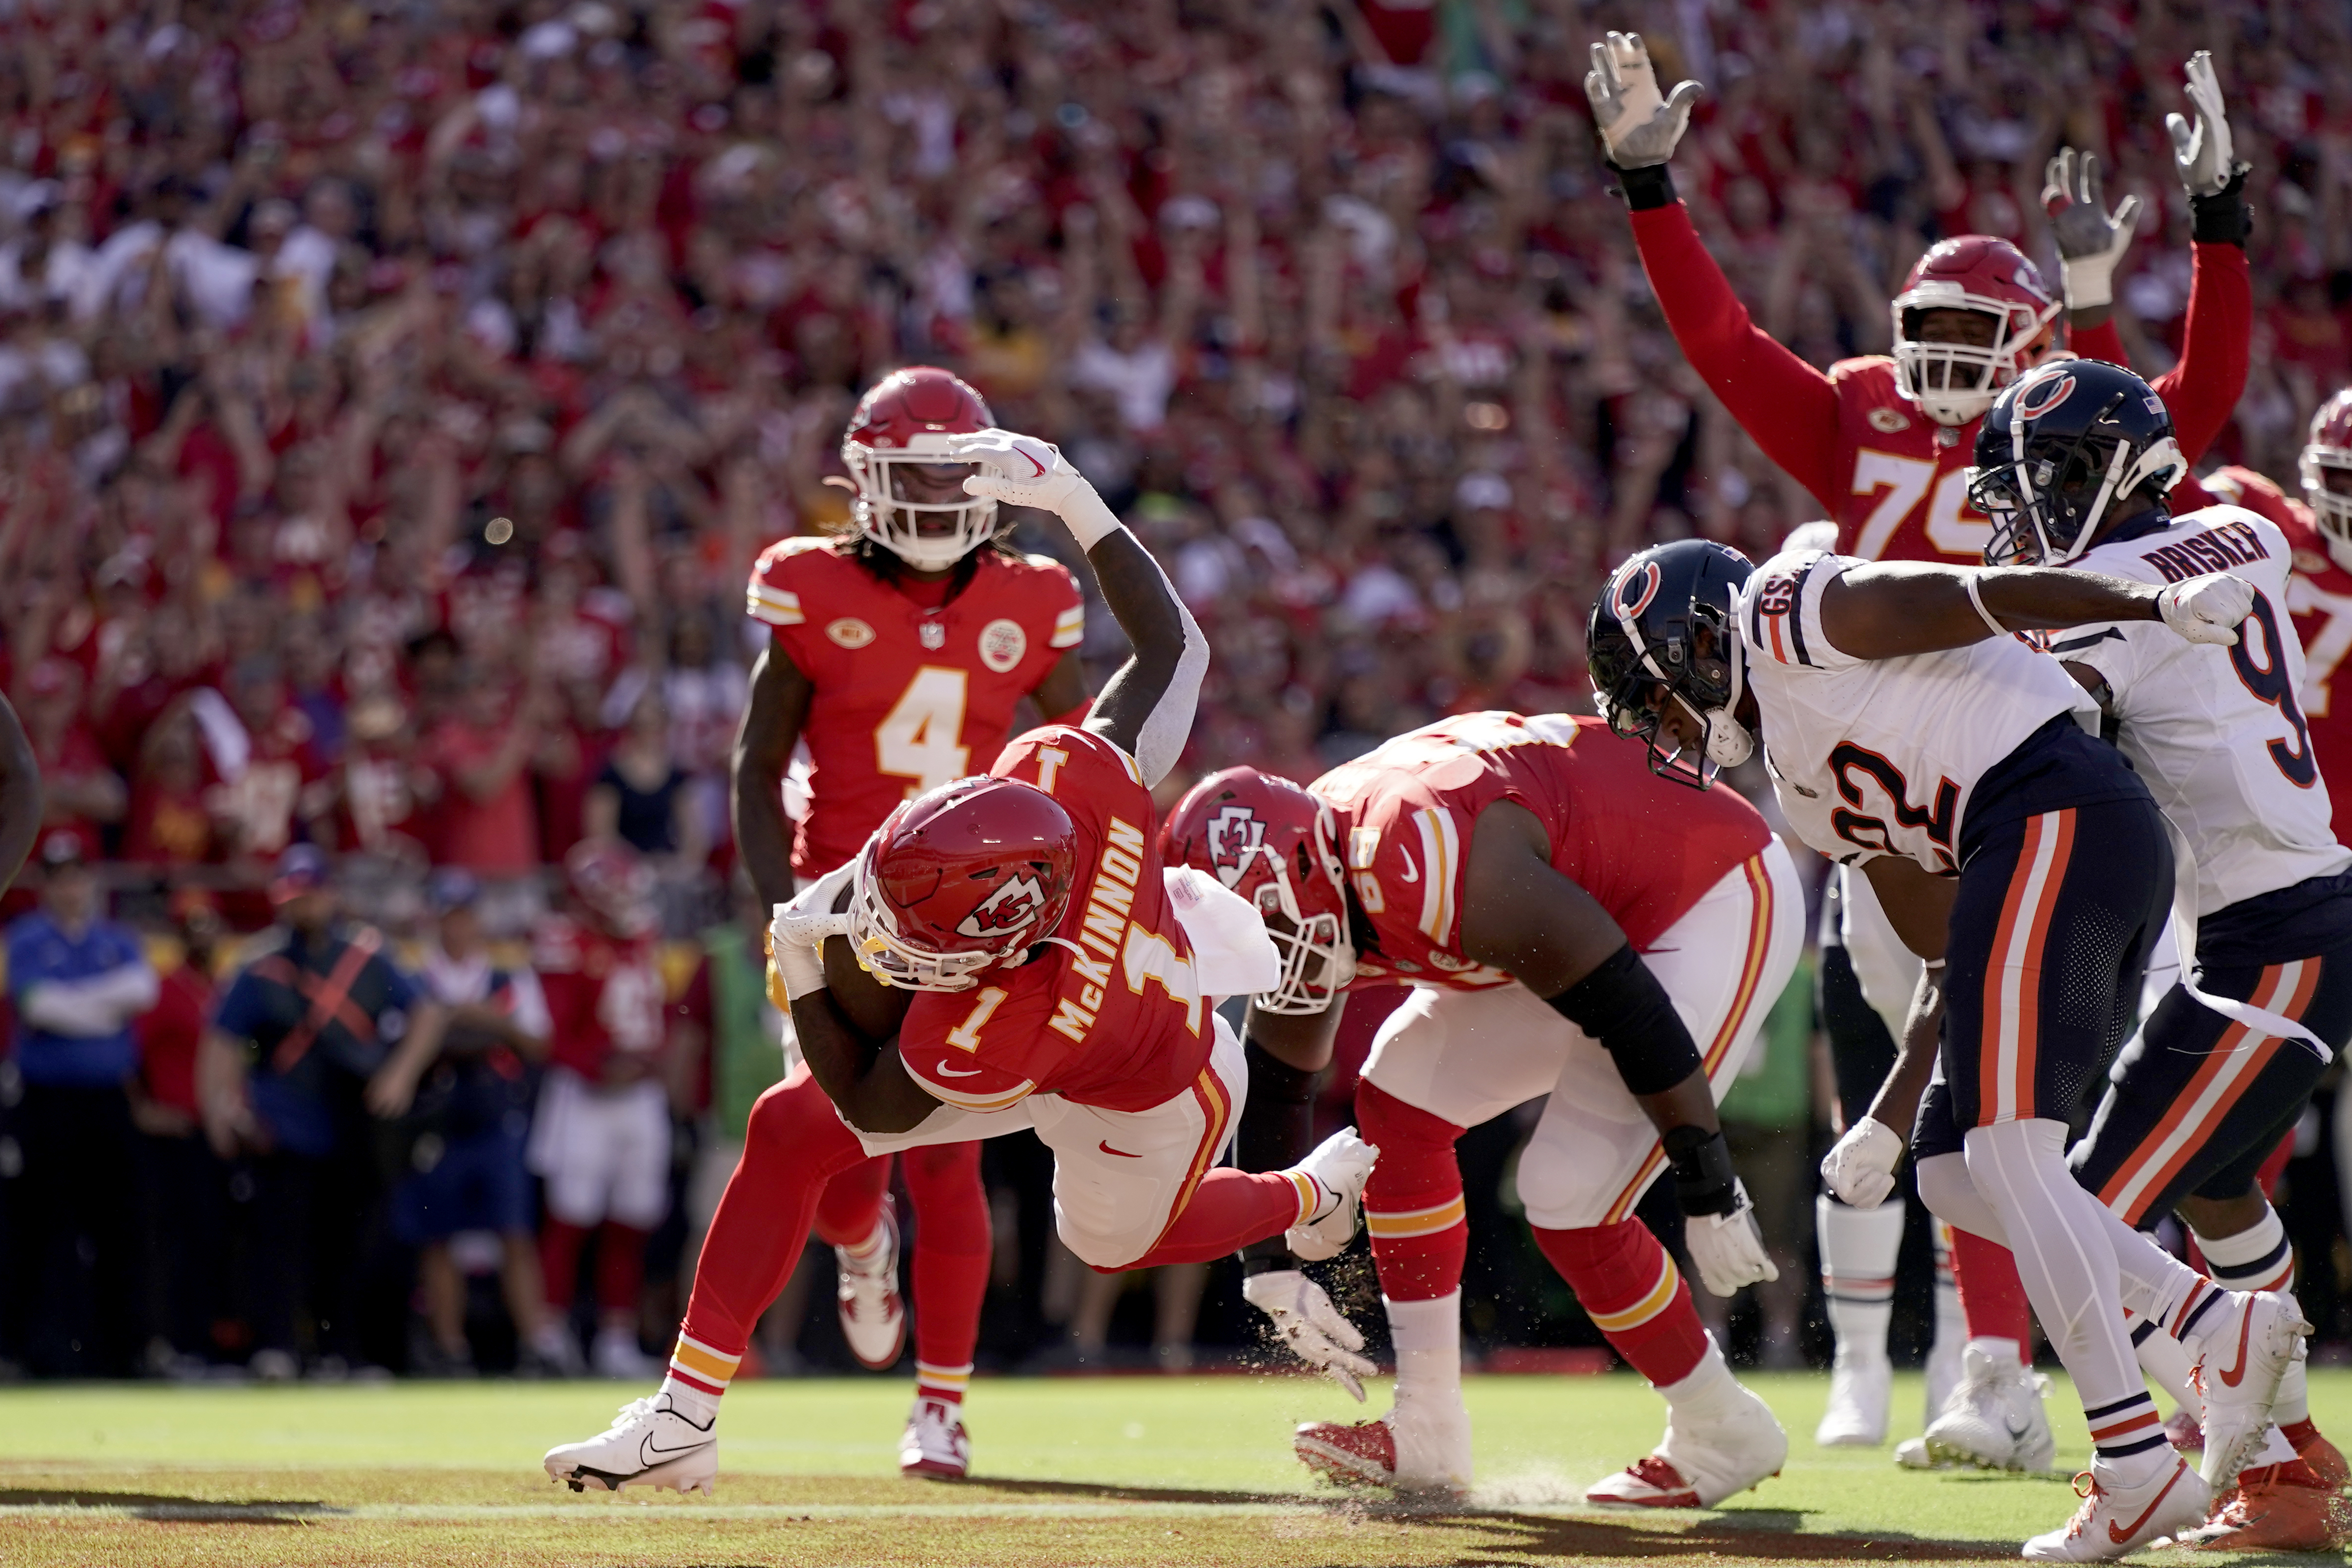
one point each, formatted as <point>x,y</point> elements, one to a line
<point>488,825</point>
<point>312,1038</point>
<point>468,1125</point>
<point>183,1212</point>
<point>76,980</point>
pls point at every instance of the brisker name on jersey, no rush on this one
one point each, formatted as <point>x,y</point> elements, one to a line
<point>2218,548</point>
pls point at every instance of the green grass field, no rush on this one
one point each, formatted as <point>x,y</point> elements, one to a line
<point>1144,1471</point>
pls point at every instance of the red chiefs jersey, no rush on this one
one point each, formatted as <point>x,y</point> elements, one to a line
<point>908,697</point>
<point>604,995</point>
<point>1647,848</point>
<point>1894,481</point>
<point>2319,601</point>
<point>1109,1013</point>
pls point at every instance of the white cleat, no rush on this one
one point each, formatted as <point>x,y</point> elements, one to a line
<point>1421,1445</point>
<point>2116,1521</point>
<point>2240,1362</point>
<point>1338,1167</point>
<point>1704,1461</point>
<point>1994,1420</point>
<point>873,1314</point>
<point>1942,1371</point>
<point>649,1444</point>
<point>1859,1390</point>
<point>1911,1454</point>
<point>935,1443</point>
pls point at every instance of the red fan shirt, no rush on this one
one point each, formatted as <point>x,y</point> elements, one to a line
<point>1647,848</point>
<point>909,693</point>
<point>604,995</point>
<point>1109,1012</point>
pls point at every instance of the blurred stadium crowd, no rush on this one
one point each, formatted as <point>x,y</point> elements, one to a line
<point>394,395</point>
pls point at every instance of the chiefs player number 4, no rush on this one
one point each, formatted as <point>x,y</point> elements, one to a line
<point>921,738</point>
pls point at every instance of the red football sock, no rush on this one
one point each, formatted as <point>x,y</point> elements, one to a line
<point>620,1267</point>
<point>558,1262</point>
<point>1413,1204</point>
<point>1229,1210</point>
<point>795,1144</point>
<point>953,1248</point>
<point>851,1204</point>
<point>1633,1294</point>
<point>1992,1298</point>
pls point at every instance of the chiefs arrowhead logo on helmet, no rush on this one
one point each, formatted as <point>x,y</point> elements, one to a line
<point>1007,908</point>
<point>1235,836</point>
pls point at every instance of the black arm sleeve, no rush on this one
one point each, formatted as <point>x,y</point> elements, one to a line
<point>1277,1131</point>
<point>1623,1006</point>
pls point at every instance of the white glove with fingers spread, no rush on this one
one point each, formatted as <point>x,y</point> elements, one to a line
<point>2206,609</point>
<point>2205,155</point>
<point>1317,1333</point>
<point>1728,1249</point>
<point>1859,1169</point>
<point>1022,470</point>
<point>1639,126</point>
<point>2091,239</point>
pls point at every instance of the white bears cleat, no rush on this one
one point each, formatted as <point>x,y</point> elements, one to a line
<point>873,1314</point>
<point>1911,1454</point>
<point>1423,1445</point>
<point>2240,1361</point>
<point>1860,1389</point>
<point>935,1443</point>
<point>649,1444</point>
<point>1995,1420</point>
<point>1338,1169</point>
<point>2116,1521</point>
<point>1704,1458</point>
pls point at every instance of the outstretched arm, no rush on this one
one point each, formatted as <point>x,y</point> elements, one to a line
<point>1146,707</point>
<point>20,795</point>
<point>1888,609</point>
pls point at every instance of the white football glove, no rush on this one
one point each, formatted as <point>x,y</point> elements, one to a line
<point>1022,470</point>
<point>1859,1169</point>
<point>2206,609</point>
<point>796,934</point>
<point>1317,1333</point>
<point>1638,125</point>
<point>2091,239</point>
<point>1728,1249</point>
<point>2204,155</point>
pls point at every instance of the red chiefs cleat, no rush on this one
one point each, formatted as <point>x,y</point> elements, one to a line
<point>1422,1445</point>
<point>2326,1460</point>
<point>2275,1507</point>
<point>1650,1481</point>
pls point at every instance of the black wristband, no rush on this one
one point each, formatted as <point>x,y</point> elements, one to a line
<point>1643,188</point>
<point>1704,1182</point>
<point>2223,217</point>
<point>1621,1005</point>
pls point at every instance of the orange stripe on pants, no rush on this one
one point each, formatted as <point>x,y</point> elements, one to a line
<point>2008,1049</point>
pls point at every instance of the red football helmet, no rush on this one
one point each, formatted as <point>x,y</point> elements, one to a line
<point>903,422</point>
<point>1276,845</point>
<point>613,884</point>
<point>1955,383</point>
<point>2329,446</point>
<point>964,877</point>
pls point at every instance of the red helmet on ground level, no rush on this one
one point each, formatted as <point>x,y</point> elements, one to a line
<point>2329,446</point>
<point>903,421</point>
<point>958,880</point>
<point>1954,384</point>
<point>1276,845</point>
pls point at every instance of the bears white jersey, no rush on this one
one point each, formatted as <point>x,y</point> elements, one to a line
<point>1874,757</point>
<point>2218,733</point>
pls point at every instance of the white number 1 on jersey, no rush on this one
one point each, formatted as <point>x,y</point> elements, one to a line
<point>922,738</point>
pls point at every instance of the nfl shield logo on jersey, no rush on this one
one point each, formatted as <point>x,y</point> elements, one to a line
<point>1005,909</point>
<point>933,634</point>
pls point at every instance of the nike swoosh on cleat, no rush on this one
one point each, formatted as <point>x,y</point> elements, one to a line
<point>2233,1375</point>
<point>661,1456</point>
<point>2016,1433</point>
<point>1105,1148</point>
<point>2120,1536</point>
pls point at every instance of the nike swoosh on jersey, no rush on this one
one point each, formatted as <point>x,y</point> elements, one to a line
<point>2119,1534</point>
<point>947,1072</point>
<point>1412,872</point>
<point>1105,1148</point>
